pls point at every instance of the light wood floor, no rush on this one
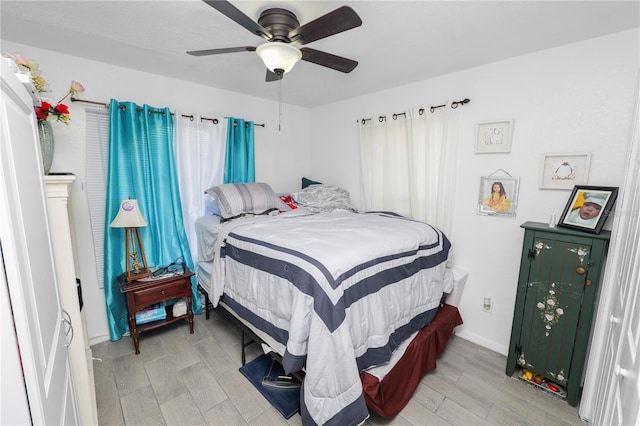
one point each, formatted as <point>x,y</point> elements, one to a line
<point>192,379</point>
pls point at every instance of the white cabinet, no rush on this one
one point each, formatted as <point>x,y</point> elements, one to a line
<point>80,356</point>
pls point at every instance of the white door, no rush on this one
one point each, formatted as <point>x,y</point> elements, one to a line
<point>623,389</point>
<point>611,386</point>
<point>28,262</point>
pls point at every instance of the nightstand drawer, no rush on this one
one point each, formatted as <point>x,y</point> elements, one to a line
<point>160,293</point>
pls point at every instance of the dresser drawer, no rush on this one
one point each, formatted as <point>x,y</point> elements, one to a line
<point>151,295</point>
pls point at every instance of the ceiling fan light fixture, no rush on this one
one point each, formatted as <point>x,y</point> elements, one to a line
<point>277,55</point>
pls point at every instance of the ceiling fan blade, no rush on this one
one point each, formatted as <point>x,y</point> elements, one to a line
<point>341,19</point>
<point>236,15</point>
<point>272,76</point>
<point>219,51</point>
<point>328,60</point>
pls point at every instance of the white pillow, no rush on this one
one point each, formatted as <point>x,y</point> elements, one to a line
<point>235,199</point>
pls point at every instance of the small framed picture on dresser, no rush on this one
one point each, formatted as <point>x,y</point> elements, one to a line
<point>588,208</point>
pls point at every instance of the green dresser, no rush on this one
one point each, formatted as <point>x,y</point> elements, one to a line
<point>560,272</point>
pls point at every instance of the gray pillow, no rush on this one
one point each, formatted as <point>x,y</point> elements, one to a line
<point>235,199</point>
<point>323,198</point>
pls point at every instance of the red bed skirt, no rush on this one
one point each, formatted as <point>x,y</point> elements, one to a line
<point>388,396</point>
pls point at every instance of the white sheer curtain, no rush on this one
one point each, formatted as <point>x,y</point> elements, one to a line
<point>200,150</point>
<point>408,164</point>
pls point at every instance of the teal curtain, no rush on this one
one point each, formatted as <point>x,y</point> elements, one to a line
<point>142,166</point>
<point>239,162</point>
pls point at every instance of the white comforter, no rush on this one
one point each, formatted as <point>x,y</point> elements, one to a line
<point>341,290</point>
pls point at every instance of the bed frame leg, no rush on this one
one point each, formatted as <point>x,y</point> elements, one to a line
<point>206,301</point>
<point>243,355</point>
<point>245,344</point>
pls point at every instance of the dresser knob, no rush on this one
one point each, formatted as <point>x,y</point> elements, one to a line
<point>163,292</point>
<point>580,270</point>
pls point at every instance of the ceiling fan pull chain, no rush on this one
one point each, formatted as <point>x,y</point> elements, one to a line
<point>280,104</point>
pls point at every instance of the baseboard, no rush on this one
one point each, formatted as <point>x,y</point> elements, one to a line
<point>479,340</point>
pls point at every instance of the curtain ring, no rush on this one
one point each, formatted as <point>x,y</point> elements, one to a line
<point>382,118</point>
<point>215,121</point>
<point>395,116</point>
<point>454,105</point>
<point>246,125</point>
<point>235,124</point>
<point>191,118</point>
<point>433,109</point>
<point>421,111</point>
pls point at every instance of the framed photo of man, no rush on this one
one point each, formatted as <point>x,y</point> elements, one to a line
<point>588,208</point>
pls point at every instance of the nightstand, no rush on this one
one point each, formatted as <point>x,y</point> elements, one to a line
<point>149,291</point>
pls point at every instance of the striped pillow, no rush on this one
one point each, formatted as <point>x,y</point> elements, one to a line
<point>235,199</point>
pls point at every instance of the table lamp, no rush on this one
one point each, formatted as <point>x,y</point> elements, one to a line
<point>129,217</point>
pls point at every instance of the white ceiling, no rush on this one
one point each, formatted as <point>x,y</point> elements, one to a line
<point>399,42</point>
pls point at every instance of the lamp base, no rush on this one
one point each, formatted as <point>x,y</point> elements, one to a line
<point>136,265</point>
<point>132,276</point>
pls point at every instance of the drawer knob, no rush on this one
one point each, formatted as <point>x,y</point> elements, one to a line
<point>163,293</point>
<point>580,270</point>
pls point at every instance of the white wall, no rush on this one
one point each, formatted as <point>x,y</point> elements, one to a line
<point>575,98</point>
<point>281,156</point>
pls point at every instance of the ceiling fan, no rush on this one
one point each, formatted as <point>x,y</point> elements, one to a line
<point>283,32</point>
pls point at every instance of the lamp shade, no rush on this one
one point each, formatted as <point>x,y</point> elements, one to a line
<point>128,216</point>
<point>279,56</point>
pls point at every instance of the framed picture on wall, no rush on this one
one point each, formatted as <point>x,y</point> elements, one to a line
<point>564,171</point>
<point>498,196</point>
<point>588,208</point>
<point>494,137</point>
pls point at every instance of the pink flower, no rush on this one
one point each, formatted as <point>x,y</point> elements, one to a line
<point>76,88</point>
<point>20,60</point>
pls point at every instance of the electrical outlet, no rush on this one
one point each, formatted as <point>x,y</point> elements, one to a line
<point>486,304</point>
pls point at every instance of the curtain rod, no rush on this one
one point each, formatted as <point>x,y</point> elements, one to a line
<point>454,105</point>
<point>214,120</point>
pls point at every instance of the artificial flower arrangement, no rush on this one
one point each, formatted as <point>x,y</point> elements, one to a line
<point>46,110</point>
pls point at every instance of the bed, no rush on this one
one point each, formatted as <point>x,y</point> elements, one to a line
<point>333,291</point>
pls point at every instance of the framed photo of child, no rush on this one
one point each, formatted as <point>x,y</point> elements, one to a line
<point>588,208</point>
<point>498,196</point>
